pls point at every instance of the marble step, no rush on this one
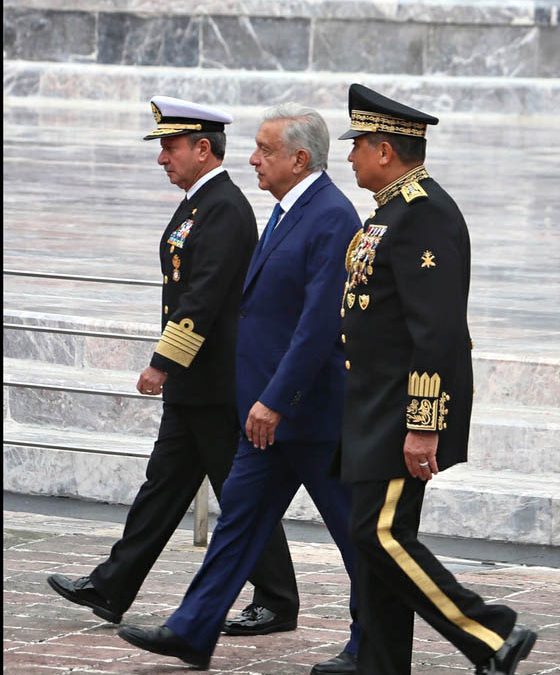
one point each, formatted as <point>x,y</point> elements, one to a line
<point>97,400</point>
<point>502,505</point>
<point>35,463</point>
<point>101,84</point>
<point>499,505</point>
<point>501,380</point>
<point>504,435</point>
<point>519,438</point>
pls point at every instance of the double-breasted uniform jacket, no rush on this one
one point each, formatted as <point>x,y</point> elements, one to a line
<point>289,353</point>
<point>204,253</point>
<point>405,331</point>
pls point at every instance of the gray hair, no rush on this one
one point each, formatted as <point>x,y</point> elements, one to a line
<point>305,129</point>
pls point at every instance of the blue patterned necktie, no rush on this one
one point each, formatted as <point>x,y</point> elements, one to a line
<point>272,222</point>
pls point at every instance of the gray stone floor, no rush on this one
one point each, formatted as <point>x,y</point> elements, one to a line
<point>45,634</point>
<point>84,195</point>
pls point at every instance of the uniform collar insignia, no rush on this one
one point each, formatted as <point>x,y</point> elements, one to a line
<point>394,189</point>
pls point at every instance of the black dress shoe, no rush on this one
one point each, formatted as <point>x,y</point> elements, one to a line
<point>256,620</point>
<point>82,592</point>
<point>344,663</point>
<point>162,640</point>
<point>516,648</point>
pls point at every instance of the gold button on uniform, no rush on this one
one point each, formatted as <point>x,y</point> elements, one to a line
<point>343,338</point>
<point>166,310</point>
<point>165,278</point>
<point>348,365</point>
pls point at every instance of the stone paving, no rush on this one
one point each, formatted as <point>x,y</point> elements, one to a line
<point>45,634</point>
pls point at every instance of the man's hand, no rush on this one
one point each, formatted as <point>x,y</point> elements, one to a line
<point>261,425</point>
<point>420,448</point>
<point>151,381</point>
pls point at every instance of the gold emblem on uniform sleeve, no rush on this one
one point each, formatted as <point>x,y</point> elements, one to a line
<point>179,342</point>
<point>350,300</point>
<point>427,408</point>
<point>428,259</point>
<point>363,300</point>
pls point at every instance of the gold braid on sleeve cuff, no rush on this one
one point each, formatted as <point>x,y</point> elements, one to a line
<point>179,342</point>
<point>426,409</point>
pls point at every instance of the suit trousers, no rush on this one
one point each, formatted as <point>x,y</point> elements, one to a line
<point>193,441</point>
<point>259,489</point>
<point>397,576</point>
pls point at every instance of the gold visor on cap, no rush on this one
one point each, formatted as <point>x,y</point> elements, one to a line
<point>164,129</point>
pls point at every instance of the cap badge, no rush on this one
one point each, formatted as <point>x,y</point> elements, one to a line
<point>157,113</point>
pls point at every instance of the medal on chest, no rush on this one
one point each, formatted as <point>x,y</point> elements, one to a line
<point>179,236</point>
<point>360,259</point>
<point>176,262</point>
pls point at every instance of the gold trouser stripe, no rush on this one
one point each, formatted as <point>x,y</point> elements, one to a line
<point>419,577</point>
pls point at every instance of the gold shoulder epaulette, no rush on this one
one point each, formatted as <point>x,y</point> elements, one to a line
<point>412,191</point>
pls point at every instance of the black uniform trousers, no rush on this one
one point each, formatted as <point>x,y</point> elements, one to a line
<point>397,576</point>
<point>193,441</point>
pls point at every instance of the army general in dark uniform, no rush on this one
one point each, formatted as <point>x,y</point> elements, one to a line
<point>409,395</point>
<point>205,251</point>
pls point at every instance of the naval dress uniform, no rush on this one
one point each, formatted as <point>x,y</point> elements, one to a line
<point>408,355</point>
<point>204,251</point>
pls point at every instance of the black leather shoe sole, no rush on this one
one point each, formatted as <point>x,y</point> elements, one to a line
<point>73,596</point>
<point>264,629</point>
<point>199,661</point>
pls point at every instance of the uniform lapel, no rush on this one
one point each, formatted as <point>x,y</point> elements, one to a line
<point>199,194</point>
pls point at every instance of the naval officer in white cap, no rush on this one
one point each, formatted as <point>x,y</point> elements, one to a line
<point>204,252</point>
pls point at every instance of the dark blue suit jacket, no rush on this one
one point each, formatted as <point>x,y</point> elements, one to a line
<point>289,354</point>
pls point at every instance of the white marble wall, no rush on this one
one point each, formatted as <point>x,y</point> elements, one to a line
<point>444,38</point>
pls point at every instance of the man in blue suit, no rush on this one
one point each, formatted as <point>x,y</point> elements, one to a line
<point>290,379</point>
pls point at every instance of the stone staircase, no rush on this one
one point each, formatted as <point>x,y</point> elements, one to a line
<point>74,424</point>
<point>75,428</point>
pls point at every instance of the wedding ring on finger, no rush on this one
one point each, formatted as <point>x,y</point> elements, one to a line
<point>423,464</point>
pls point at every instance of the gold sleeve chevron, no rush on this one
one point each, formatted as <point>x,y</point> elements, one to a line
<point>426,409</point>
<point>179,342</point>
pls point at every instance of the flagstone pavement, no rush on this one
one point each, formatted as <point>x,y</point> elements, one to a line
<point>45,634</point>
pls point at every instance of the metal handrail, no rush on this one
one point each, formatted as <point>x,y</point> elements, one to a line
<point>200,515</point>
<point>77,331</point>
<point>200,531</point>
<point>71,448</point>
<point>79,390</point>
<point>82,277</point>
